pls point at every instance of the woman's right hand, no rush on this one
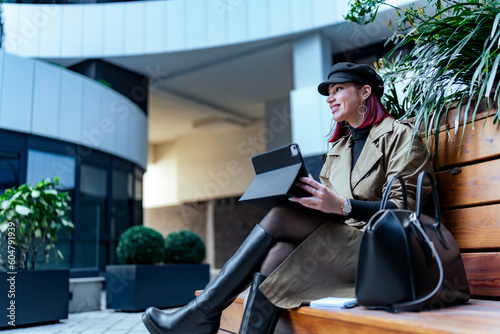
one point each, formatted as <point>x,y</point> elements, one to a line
<point>322,198</point>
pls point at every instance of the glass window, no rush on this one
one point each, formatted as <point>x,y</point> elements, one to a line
<point>106,195</point>
<point>91,218</point>
<point>9,170</point>
<point>138,197</point>
<point>64,246</point>
<point>42,165</point>
<point>121,208</point>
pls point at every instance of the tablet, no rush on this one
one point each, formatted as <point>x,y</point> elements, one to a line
<point>276,173</point>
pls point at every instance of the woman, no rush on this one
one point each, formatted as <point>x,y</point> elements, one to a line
<point>308,249</point>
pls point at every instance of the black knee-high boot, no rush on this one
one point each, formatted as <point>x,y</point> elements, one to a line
<point>202,315</point>
<point>261,316</point>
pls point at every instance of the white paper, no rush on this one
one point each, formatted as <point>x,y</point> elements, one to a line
<point>333,303</point>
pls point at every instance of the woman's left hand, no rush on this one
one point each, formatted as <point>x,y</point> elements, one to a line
<point>322,199</point>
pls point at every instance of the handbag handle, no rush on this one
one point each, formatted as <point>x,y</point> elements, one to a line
<point>401,307</point>
<point>420,185</point>
<point>385,198</point>
<point>414,219</point>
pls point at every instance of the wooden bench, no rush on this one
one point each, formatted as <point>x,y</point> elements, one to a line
<point>469,190</point>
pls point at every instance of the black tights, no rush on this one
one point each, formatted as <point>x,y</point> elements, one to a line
<point>289,226</point>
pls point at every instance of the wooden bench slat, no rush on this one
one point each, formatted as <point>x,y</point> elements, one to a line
<point>478,316</point>
<point>477,184</point>
<point>476,227</point>
<point>483,273</point>
<point>477,144</point>
<point>232,315</point>
<point>361,320</point>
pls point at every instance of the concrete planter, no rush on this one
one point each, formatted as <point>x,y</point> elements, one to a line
<point>137,287</point>
<point>33,297</point>
<point>85,294</point>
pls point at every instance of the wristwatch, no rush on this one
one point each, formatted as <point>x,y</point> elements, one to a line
<point>347,207</point>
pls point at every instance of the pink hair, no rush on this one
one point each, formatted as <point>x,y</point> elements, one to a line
<point>375,113</point>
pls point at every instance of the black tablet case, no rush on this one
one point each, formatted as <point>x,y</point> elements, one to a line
<point>276,173</point>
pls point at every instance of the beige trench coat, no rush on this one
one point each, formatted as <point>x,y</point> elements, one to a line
<point>325,263</point>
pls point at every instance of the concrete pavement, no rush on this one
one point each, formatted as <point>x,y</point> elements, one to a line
<point>95,322</point>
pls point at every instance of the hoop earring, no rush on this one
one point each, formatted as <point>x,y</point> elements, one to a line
<point>364,111</point>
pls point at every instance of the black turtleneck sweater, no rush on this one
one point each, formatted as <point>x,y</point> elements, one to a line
<point>359,139</point>
<point>363,210</point>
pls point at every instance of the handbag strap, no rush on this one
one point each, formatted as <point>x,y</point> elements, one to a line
<point>420,185</point>
<point>413,305</point>
<point>414,219</point>
<point>385,198</point>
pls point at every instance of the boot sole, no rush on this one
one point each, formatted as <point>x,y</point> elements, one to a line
<point>148,325</point>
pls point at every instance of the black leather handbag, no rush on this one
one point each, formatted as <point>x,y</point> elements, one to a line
<point>409,261</point>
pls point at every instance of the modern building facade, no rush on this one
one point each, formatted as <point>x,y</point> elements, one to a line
<point>204,85</point>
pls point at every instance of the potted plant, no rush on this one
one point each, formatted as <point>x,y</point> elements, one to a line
<point>453,64</point>
<point>184,246</point>
<point>31,219</point>
<point>144,279</point>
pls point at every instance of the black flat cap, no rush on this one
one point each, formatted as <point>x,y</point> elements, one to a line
<point>347,72</point>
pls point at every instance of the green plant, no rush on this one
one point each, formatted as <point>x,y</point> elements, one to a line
<point>104,83</point>
<point>184,246</point>
<point>455,59</point>
<point>30,221</point>
<point>140,245</point>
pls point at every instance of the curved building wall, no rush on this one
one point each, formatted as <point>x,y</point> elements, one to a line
<point>146,27</point>
<point>47,100</point>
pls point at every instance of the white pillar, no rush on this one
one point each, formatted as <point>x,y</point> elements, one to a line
<point>310,115</point>
<point>278,123</point>
<point>210,235</point>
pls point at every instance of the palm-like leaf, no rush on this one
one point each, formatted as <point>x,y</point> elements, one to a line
<point>455,59</point>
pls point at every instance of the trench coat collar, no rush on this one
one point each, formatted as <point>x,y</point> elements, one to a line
<point>341,180</point>
<point>367,159</point>
<point>380,129</point>
<point>371,152</point>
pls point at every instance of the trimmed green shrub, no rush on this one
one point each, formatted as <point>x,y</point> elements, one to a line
<point>140,245</point>
<point>184,246</point>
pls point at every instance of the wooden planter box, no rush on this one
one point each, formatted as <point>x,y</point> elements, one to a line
<point>33,297</point>
<point>137,287</point>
